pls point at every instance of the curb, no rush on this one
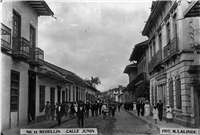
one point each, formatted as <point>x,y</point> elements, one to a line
<point>152,126</point>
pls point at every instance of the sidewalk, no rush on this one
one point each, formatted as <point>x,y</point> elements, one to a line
<point>160,124</point>
<point>42,124</point>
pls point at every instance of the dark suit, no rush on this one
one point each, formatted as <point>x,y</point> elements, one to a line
<point>59,114</point>
<point>80,116</point>
<point>160,110</point>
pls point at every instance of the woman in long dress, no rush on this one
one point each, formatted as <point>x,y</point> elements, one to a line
<point>155,114</point>
<point>169,114</point>
<point>147,109</point>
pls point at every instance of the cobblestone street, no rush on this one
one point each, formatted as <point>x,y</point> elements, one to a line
<point>123,123</point>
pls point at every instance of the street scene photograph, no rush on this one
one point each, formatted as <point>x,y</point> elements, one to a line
<point>100,67</point>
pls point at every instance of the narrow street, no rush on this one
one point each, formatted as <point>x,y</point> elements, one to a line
<point>123,123</point>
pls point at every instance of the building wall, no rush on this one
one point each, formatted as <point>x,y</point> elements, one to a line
<point>28,16</point>
<point>175,67</point>
<point>9,64</point>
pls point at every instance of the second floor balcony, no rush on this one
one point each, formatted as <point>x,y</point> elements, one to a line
<point>37,56</point>
<point>170,49</point>
<point>140,78</point>
<point>5,38</point>
<point>21,48</point>
<point>155,60</point>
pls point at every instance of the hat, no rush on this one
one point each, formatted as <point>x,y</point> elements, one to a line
<point>47,102</point>
<point>147,101</point>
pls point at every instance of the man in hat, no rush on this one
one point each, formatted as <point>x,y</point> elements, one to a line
<point>160,110</point>
<point>80,115</point>
<point>59,113</point>
<point>47,110</point>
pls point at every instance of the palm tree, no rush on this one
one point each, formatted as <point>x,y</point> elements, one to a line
<point>95,81</point>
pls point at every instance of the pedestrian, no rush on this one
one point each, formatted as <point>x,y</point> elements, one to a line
<point>100,105</point>
<point>75,108</point>
<point>113,109</point>
<point>155,114</point>
<point>96,107</point>
<point>72,109</point>
<point>104,110</point>
<point>53,109</point>
<point>92,108</point>
<point>47,110</point>
<point>59,113</point>
<point>147,109</point>
<point>138,107</point>
<point>66,108</point>
<point>160,110</point>
<point>80,115</point>
<point>87,108</point>
<point>142,104</point>
<point>169,114</point>
<point>118,106</point>
<point>62,109</point>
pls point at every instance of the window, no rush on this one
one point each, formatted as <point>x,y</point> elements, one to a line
<point>42,98</point>
<point>178,93</point>
<point>160,41</point>
<point>14,94</point>
<point>66,95</point>
<point>171,95</point>
<point>16,24</point>
<point>32,36</point>
<point>69,95</point>
<point>52,95</point>
<point>168,32</point>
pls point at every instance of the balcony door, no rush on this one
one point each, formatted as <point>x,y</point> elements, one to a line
<point>16,29</point>
<point>32,37</point>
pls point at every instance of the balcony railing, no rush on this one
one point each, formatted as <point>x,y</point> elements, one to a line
<point>171,49</point>
<point>5,38</point>
<point>156,59</point>
<point>21,48</point>
<point>37,56</point>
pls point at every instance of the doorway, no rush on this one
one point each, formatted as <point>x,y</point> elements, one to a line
<point>31,96</point>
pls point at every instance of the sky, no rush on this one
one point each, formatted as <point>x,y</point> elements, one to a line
<point>93,39</point>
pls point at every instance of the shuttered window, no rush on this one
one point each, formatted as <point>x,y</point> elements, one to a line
<point>171,95</point>
<point>178,93</point>
<point>14,94</point>
<point>42,98</point>
<point>52,95</point>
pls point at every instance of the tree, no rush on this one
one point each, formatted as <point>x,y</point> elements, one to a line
<point>93,82</point>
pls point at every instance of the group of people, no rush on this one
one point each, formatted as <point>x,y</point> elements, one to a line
<point>80,109</point>
<point>129,105</point>
<point>145,110</point>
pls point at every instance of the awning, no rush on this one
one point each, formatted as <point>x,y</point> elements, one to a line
<point>193,10</point>
<point>130,68</point>
<point>43,72</point>
<point>41,7</point>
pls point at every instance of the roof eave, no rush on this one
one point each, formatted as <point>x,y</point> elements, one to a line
<point>41,7</point>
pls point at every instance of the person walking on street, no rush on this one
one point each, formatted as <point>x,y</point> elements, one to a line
<point>92,108</point>
<point>142,104</point>
<point>138,107</point>
<point>169,114</point>
<point>147,109</point>
<point>59,113</point>
<point>100,105</point>
<point>104,110</point>
<point>118,106</point>
<point>47,110</point>
<point>80,115</point>
<point>113,109</point>
<point>96,107</point>
<point>87,108</point>
<point>160,110</point>
<point>155,114</point>
<point>53,109</point>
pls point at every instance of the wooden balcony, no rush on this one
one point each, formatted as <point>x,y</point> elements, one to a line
<point>171,49</point>
<point>21,48</point>
<point>156,60</point>
<point>5,38</point>
<point>140,78</point>
<point>37,56</point>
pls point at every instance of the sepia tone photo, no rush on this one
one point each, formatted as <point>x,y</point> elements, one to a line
<point>113,67</point>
